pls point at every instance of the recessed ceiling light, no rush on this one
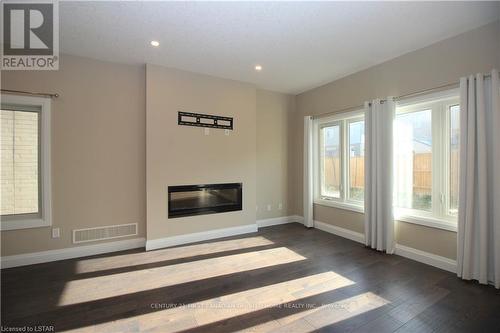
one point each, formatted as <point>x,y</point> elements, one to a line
<point>258,68</point>
<point>155,43</point>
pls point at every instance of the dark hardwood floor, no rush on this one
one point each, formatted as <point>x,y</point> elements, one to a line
<point>282,279</point>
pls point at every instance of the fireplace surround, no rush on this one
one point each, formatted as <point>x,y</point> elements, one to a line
<point>190,200</point>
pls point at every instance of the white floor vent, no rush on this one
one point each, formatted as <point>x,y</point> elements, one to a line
<point>102,233</point>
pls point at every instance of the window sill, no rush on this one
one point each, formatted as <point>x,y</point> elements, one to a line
<point>23,224</point>
<point>428,222</point>
<point>340,205</point>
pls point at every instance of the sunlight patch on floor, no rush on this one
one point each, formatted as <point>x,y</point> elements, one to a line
<point>125,260</point>
<point>336,312</point>
<point>233,305</point>
<point>84,290</point>
<point>268,296</point>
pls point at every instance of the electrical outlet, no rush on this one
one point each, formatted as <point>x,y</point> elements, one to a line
<point>56,232</point>
<point>207,131</point>
<point>226,132</point>
<point>268,207</point>
<point>280,206</point>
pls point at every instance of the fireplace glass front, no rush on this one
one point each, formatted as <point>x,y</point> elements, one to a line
<point>188,200</point>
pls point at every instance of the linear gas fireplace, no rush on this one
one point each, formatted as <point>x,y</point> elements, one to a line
<point>188,200</point>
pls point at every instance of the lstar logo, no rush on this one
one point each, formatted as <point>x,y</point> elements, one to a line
<point>30,35</point>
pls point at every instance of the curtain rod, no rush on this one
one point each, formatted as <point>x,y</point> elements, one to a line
<point>9,91</point>
<point>397,98</point>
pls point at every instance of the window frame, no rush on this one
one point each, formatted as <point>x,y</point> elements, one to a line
<point>447,153</point>
<point>341,158</point>
<point>343,120</point>
<point>44,217</point>
<point>439,104</point>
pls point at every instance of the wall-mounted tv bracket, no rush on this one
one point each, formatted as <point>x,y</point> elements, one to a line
<point>204,120</point>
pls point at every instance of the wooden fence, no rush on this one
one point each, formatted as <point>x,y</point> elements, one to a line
<point>422,172</point>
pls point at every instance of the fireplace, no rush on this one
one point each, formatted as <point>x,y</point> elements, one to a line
<point>189,200</point>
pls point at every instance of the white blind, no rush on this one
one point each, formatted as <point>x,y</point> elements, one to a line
<point>19,162</point>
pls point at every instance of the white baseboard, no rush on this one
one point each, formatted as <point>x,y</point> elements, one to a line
<point>199,236</point>
<point>100,248</point>
<point>70,252</point>
<point>279,220</point>
<point>427,258</point>
<point>444,263</point>
<point>298,218</point>
<point>88,250</point>
<point>342,232</point>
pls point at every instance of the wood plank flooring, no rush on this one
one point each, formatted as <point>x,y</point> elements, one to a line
<point>282,279</point>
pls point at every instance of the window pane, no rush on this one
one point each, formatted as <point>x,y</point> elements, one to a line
<point>356,160</point>
<point>454,147</point>
<point>413,157</point>
<point>330,161</point>
<point>19,162</point>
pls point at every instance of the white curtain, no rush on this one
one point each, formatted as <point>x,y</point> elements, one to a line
<point>479,188</point>
<point>308,172</point>
<point>379,216</point>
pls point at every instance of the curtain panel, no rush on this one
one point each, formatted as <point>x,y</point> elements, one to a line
<point>308,172</point>
<point>478,239</point>
<point>379,215</point>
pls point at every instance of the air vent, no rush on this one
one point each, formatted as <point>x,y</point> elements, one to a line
<point>102,233</point>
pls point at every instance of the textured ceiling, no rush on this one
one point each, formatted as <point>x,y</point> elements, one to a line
<point>300,45</point>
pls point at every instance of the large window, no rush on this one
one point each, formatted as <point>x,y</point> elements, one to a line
<point>25,162</point>
<point>426,148</point>
<point>426,158</point>
<point>340,173</point>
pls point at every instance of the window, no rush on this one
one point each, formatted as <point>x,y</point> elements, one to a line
<point>356,161</point>
<point>426,157</point>
<point>340,150</point>
<point>331,178</point>
<point>413,153</point>
<point>25,162</point>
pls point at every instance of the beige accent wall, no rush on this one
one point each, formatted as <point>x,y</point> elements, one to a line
<point>98,149</point>
<point>437,241</point>
<point>183,155</point>
<point>275,137</point>
<point>441,63</point>
<point>346,219</point>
